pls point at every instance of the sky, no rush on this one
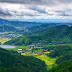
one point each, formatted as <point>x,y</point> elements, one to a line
<point>36,9</point>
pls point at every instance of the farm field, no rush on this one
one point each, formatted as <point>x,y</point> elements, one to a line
<point>26,54</point>
<point>4,40</point>
<point>48,61</point>
<point>70,45</point>
<point>18,47</point>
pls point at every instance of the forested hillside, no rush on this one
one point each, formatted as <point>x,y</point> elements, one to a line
<point>11,61</point>
<point>59,34</point>
<point>7,28</point>
<point>63,67</point>
<point>41,27</point>
<point>63,53</point>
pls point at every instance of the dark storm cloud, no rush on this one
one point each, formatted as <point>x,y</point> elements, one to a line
<point>46,2</point>
<point>65,1</point>
<point>38,10</point>
<point>4,13</point>
<point>21,1</point>
<point>33,8</point>
<point>64,12</point>
<point>26,14</point>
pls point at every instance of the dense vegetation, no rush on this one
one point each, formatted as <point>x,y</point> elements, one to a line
<point>63,67</point>
<point>63,53</point>
<point>11,61</point>
<point>41,27</point>
<point>57,60</point>
<point>59,34</point>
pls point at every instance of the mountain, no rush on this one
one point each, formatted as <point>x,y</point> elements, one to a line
<point>59,34</point>
<point>11,61</point>
<point>41,27</point>
<point>6,28</point>
<point>20,23</point>
<point>27,23</point>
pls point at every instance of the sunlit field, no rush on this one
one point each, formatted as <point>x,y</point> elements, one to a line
<point>49,61</point>
<point>4,40</point>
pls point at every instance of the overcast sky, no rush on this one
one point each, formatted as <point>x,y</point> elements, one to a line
<point>36,9</point>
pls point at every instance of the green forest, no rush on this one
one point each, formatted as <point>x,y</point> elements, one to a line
<point>59,35</point>
<point>11,61</point>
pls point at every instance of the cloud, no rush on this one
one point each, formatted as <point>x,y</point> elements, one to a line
<point>29,1</point>
<point>40,10</point>
<point>66,12</point>
<point>35,8</point>
<point>40,2</point>
<point>4,13</point>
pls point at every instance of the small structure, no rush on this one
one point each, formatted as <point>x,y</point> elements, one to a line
<point>51,50</point>
<point>22,50</point>
<point>19,50</point>
<point>45,50</point>
<point>31,46</point>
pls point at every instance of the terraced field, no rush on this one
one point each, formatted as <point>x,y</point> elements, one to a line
<point>49,61</point>
<point>4,40</point>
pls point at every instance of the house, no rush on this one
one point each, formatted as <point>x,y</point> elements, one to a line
<point>19,50</point>
<point>45,50</point>
<point>31,46</point>
<point>22,50</point>
<point>51,50</point>
<point>41,52</point>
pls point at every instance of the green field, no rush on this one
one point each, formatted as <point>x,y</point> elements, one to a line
<point>70,45</point>
<point>18,47</point>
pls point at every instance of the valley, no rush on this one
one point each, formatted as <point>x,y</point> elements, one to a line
<point>35,35</point>
<point>35,48</point>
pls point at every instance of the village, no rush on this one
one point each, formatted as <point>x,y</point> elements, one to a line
<point>34,50</point>
<point>8,35</point>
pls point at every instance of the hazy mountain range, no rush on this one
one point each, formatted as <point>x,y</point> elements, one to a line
<point>28,23</point>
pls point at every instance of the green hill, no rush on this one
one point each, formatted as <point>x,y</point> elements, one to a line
<point>11,61</point>
<point>41,27</point>
<point>63,67</point>
<point>7,28</point>
<point>63,53</point>
<point>59,34</point>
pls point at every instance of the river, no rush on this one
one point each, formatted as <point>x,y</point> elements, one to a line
<point>7,46</point>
